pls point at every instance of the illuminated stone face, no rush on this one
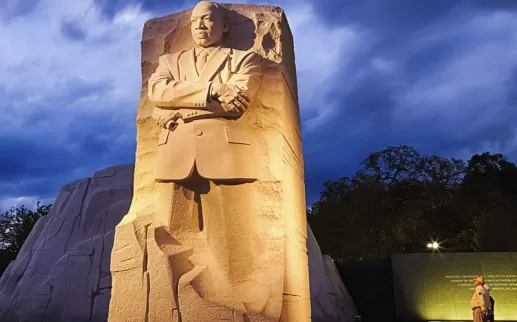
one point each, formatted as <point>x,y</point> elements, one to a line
<point>208,24</point>
<point>439,286</point>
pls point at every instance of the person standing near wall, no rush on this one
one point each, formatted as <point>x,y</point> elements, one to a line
<point>490,317</point>
<point>480,302</point>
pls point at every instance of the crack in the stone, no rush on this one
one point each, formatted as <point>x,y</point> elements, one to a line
<point>101,261</point>
<point>145,272</point>
<point>86,190</point>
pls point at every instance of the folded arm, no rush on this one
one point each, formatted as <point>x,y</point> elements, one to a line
<point>249,74</point>
<point>242,86</point>
<point>166,92</point>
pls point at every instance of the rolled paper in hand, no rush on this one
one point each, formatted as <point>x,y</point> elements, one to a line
<point>171,125</point>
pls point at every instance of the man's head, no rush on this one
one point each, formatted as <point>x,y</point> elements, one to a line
<point>209,23</point>
<point>479,281</point>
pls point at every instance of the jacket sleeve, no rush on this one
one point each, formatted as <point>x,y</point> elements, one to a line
<point>168,93</point>
<point>248,75</point>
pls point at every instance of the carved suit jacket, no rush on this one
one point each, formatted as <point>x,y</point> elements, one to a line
<point>206,137</point>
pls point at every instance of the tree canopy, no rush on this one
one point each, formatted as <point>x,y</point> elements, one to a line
<point>15,226</point>
<point>400,199</point>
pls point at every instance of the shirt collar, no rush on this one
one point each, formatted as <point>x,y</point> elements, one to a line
<point>199,50</point>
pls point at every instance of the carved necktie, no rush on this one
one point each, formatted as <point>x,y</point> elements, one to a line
<point>201,61</point>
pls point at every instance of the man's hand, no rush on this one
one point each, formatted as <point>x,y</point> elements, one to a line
<point>164,118</point>
<point>232,98</point>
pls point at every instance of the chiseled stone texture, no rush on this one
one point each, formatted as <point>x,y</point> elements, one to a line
<point>62,272</point>
<point>330,300</point>
<point>273,225</point>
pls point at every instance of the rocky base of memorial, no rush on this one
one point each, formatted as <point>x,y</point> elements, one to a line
<point>62,273</point>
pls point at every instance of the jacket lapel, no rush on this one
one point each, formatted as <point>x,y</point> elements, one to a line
<point>187,64</point>
<point>214,64</point>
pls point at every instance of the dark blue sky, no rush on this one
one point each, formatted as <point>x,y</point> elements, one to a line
<point>439,75</point>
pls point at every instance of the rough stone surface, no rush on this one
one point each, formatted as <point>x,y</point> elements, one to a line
<point>222,241</point>
<point>58,281</point>
<point>330,300</point>
<point>62,272</point>
<point>255,267</point>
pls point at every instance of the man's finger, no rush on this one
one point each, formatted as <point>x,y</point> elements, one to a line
<point>156,118</point>
<point>168,118</point>
<point>236,109</point>
<point>244,95</point>
<point>231,107</point>
<point>159,120</point>
<point>243,103</point>
<point>227,107</point>
<point>235,89</point>
<point>229,91</point>
<point>240,107</point>
<point>241,89</point>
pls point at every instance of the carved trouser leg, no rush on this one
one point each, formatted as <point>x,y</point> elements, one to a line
<point>210,251</point>
<point>213,230</point>
<point>146,265</point>
<point>130,272</point>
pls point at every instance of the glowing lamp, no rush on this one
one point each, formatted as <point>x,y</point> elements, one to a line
<point>433,245</point>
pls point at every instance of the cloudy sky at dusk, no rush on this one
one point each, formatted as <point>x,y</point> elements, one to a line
<point>439,75</point>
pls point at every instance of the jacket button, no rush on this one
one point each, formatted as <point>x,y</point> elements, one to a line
<point>199,132</point>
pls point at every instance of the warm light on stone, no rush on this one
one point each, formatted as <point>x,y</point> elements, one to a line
<point>225,240</point>
<point>35,285</point>
<point>217,226</point>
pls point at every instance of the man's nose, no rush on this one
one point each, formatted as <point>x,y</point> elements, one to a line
<point>200,24</point>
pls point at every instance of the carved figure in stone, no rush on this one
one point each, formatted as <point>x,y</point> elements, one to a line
<point>217,229</point>
<point>200,90</point>
<point>205,167</point>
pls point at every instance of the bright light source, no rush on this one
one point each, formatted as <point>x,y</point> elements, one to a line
<point>433,245</point>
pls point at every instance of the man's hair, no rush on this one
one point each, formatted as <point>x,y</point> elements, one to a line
<point>219,8</point>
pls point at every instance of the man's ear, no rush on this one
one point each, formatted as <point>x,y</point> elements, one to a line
<point>226,26</point>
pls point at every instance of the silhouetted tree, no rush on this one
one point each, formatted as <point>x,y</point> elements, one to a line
<point>490,194</point>
<point>400,199</point>
<point>15,226</point>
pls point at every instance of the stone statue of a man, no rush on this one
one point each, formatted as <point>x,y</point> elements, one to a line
<point>205,166</point>
<point>197,94</point>
<point>217,226</point>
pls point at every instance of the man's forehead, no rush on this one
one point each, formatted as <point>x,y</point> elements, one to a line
<point>204,8</point>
